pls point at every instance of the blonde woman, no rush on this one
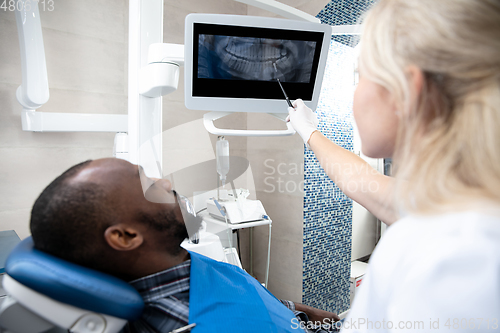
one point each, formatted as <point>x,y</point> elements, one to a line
<point>429,96</point>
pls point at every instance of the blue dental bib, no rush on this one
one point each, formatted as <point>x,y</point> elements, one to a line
<point>224,298</point>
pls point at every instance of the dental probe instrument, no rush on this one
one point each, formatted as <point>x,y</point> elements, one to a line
<point>284,93</point>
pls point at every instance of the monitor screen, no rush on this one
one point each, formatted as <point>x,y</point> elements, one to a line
<point>233,63</point>
<point>245,62</point>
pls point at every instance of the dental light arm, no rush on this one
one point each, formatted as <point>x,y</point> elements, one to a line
<point>34,91</point>
<point>161,75</point>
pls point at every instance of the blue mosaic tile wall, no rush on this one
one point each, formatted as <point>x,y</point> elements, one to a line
<point>327,210</point>
<point>344,12</point>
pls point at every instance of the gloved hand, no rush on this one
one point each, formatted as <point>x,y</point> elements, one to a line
<point>303,120</point>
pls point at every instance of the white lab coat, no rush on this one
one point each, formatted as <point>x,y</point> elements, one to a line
<point>434,273</point>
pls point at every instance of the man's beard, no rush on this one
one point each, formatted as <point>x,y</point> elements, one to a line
<point>167,223</point>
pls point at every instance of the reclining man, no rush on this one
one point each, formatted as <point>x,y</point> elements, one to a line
<point>95,214</point>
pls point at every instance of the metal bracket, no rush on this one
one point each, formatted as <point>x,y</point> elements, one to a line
<point>73,122</point>
<point>210,117</point>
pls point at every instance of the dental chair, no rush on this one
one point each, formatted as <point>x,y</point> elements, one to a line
<point>48,294</point>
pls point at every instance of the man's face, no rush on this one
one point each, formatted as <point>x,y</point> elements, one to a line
<point>148,203</point>
<point>160,191</point>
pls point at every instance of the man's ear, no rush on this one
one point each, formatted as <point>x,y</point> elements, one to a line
<point>122,237</point>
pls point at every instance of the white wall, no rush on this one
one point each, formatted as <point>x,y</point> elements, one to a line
<point>86,51</point>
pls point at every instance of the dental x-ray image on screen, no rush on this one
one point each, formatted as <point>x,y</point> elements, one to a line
<point>233,62</point>
<point>251,58</point>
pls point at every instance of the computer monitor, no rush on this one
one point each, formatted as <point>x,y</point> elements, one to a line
<point>232,63</point>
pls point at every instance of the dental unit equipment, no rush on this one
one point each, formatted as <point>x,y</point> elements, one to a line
<point>192,222</point>
<point>237,209</point>
<point>232,207</point>
<point>222,156</point>
<point>222,211</point>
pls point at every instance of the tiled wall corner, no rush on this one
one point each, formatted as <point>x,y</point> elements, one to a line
<point>328,211</point>
<point>344,12</point>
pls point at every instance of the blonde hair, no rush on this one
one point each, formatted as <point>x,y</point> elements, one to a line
<point>447,148</point>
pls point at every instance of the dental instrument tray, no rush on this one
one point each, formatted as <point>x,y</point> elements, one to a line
<point>238,211</point>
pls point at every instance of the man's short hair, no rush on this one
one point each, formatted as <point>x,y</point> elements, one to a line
<point>68,219</point>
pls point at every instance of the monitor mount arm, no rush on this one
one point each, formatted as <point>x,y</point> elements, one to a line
<point>210,117</point>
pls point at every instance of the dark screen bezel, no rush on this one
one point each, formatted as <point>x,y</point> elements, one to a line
<point>203,87</point>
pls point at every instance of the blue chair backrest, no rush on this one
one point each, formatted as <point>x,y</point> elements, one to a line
<point>73,284</point>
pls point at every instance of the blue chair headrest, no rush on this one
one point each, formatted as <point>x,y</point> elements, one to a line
<point>73,284</point>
